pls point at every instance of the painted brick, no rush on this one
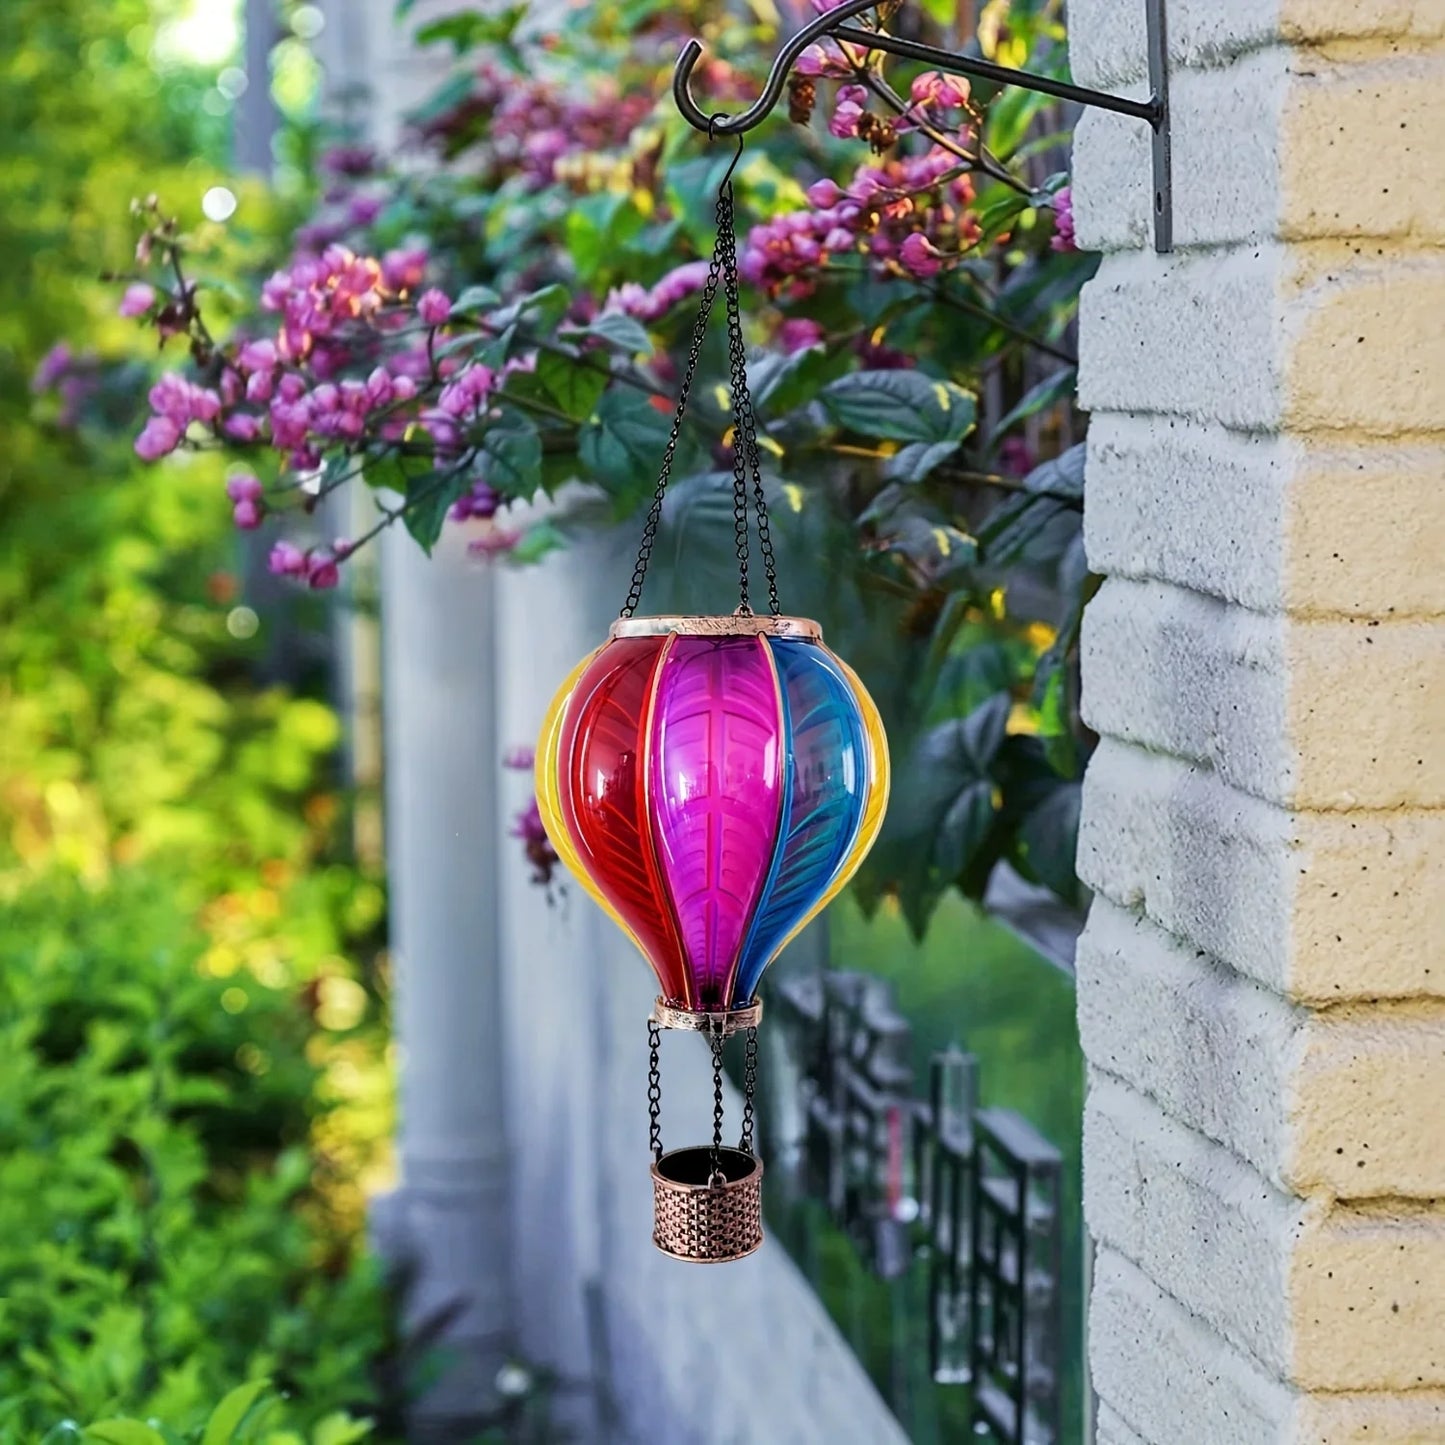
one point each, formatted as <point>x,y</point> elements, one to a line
<point>1190,335</point>
<point>1346,1103</point>
<point>1293,118</point>
<point>1222,193</point>
<point>1171,1377</point>
<point>1267,521</point>
<point>1328,1298</point>
<point>1309,713</point>
<point>1197,1388</point>
<point>1111,1429</point>
<point>1326,907</point>
<point>1215,1049</point>
<point>1366,344</point>
<point>1313,339</point>
<point>1107,37</point>
<point>1196,1219</point>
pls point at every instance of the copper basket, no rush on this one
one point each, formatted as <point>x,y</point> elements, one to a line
<point>701,1222</point>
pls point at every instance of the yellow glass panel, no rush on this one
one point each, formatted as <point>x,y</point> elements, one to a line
<point>549,800</point>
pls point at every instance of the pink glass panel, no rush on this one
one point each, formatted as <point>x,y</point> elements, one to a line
<point>715,796</point>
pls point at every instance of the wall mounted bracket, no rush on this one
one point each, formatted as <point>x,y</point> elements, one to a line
<point>831,26</point>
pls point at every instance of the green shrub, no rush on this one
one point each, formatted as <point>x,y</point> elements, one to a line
<point>162,1235</point>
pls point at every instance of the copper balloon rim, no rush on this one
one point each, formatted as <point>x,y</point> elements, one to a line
<point>721,1021</point>
<point>733,624</point>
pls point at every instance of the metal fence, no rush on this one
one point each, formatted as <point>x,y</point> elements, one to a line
<point>967,1198</point>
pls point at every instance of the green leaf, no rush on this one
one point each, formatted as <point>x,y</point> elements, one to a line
<point>1043,394</point>
<point>574,384</point>
<point>429,496</point>
<point>950,791</point>
<point>539,311</point>
<point>904,406</point>
<point>227,1416</point>
<point>476,298</point>
<point>997,213</point>
<point>340,1429</point>
<point>124,1432</point>
<point>513,452</point>
<point>1048,839</point>
<point>623,333</point>
<point>780,384</point>
<point>445,98</point>
<point>622,445</point>
<point>915,461</point>
<point>469,28</point>
<point>1061,477</point>
<point>537,541</point>
<point>598,229</point>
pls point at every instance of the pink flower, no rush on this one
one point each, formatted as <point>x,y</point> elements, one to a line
<point>824,193</point>
<point>138,299</point>
<point>256,356</point>
<point>286,560</point>
<point>1063,237</point>
<point>247,514</point>
<point>243,487</point>
<point>844,123</point>
<point>519,758</point>
<point>434,307</point>
<point>322,572</point>
<point>920,256</point>
<point>481,501</point>
<point>158,438</point>
<point>241,426</point>
<point>798,333</point>
<point>931,88</point>
<point>494,542</point>
<point>404,270</point>
<point>53,365</point>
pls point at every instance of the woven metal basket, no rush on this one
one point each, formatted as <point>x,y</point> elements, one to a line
<point>707,1223</point>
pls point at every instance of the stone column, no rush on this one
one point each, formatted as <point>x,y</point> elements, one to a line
<point>444,832</point>
<point>1262,978</point>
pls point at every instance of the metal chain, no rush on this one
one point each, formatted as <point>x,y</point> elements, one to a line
<point>750,1083</point>
<point>737,365</point>
<point>746,461</point>
<point>654,1089</point>
<point>715,1037</point>
<point>699,334</point>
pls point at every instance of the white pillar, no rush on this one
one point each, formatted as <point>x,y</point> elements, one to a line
<point>444,834</point>
<point>1262,978</point>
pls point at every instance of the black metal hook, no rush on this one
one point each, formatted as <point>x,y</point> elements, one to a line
<point>829,25</point>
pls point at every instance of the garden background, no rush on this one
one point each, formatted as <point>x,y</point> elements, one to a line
<point>200,1080</point>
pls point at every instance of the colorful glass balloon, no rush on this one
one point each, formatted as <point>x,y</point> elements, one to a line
<point>713,783</point>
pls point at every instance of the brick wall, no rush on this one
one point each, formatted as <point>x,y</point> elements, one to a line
<point>1262,979</point>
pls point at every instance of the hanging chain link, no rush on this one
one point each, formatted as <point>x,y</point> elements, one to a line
<point>750,1083</point>
<point>654,1089</point>
<point>746,464</point>
<point>746,459</point>
<point>715,1038</point>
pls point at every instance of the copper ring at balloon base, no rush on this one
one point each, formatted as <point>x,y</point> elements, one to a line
<point>706,1222</point>
<point>733,624</point>
<point>725,1021</point>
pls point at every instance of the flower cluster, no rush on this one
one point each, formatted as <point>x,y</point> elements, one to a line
<point>532,127</point>
<point>909,213</point>
<point>651,303</point>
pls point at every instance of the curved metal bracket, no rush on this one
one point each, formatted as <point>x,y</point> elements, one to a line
<point>830,26</point>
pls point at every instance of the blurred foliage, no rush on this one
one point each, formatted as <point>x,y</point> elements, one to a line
<point>195,1085</point>
<point>164,1226</point>
<point>915,418</point>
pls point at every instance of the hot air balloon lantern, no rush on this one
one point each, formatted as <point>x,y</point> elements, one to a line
<point>713,782</point>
